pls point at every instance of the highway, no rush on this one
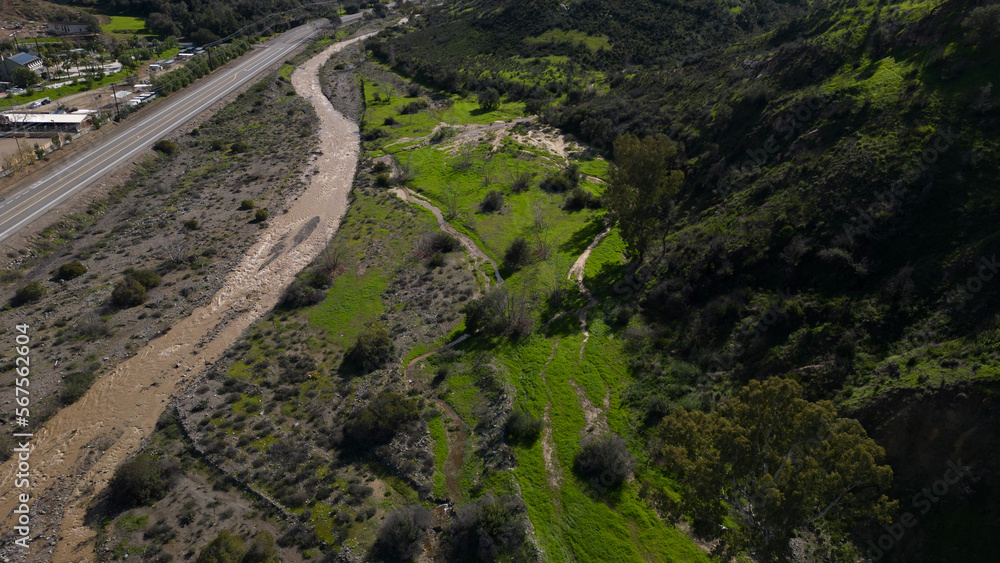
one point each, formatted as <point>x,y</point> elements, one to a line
<point>38,194</point>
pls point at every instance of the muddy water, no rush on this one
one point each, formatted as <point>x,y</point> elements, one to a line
<point>122,407</point>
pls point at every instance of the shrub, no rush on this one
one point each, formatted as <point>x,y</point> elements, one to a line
<point>492,202</point>
<point>523,428</point>
<point>239,147</point>
<point>489,99</point>
<point>401,536</point>
<point>436,260</point>
<point>247,204</point>
<point>580,198</point>
<point>29,293</point>
<point>381,166</point>
<point>605,460</point>
<point>128,293</point>
<point>262,550</point>
<point>439,242</point>
<point>556,183</point>
<point>377,422</point>
<point>148,278</point>
<point>499,313</point>
<point>139,481</point>
<point>71,270</point>
<point>383,180</point>
<point>518,254</point>
<point>306,289</point>
<point>76,383</point>
<point>224,548</point>
<point>413,107</point>
<point>191,224</point>
<point>412,90</point>
<point>165,146</point>
<point>216,145</point>
<point>490,529</point>
<point>260,215</point>
<point>521,181</point>
<point>372,350</point>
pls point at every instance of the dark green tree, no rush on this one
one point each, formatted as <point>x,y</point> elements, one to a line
<point>643,182</point>
<point>773,463</point>
<point>489,99</point>
<point>24,77</point>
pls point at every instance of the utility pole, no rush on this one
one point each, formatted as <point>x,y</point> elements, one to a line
<point>115,94</point>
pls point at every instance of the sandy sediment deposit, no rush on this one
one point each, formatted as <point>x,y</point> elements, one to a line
<point>76,452</point>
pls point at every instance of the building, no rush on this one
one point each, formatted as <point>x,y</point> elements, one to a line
<point>68,28</point>
<point>44,123</point>
<point>20,60</point>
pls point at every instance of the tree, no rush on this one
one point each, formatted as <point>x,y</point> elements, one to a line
<point>605,460</point>
<point>400,537</point>
<point>643,182</point>
<point>774,463</point>
<point>24,77</point>
<point>137,482</point>
<point>489,99</point>
<point>372,350</point>
<point>262,550</point>
<point>225,548</point>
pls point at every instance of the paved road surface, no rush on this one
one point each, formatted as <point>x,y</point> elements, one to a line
<point>36,195</point>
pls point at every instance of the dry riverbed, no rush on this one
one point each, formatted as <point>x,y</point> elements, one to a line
<point>121,408</point>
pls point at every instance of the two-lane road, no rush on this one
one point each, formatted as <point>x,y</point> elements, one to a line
<point>36,195</point>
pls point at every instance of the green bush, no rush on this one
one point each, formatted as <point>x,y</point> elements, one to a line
<point>71,270</point>
<point>191,224</point>
<point>523,428</point>
<point>128,293</point>
<point>29,293</point>
<point>225,548</point>
<point>377,422</point>
<point>260,215</point>
<point>239,147</point>
<point>489,529</point>
<point>518,254</point>
<point>308,288</point>
<point>605,460</point>
<point>165,146</point>
<point>372,350</point>
<point>492,202</point>
<point>139,481</point>
<point>489,99</point>
<point>262,550</point>
<point>247,204</point>
<point>401,536</point>
<point>148,278</point>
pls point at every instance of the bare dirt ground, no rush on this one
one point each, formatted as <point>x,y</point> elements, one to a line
<point>126,403</point>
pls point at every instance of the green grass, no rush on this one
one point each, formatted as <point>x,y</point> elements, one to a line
<point>56,93</point>
<point>436,427</point>
<point>125,25</point>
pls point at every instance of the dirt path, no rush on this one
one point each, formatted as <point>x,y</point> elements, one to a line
<point>576,276</point>
<point>125,403</point>
<point>477,255</point>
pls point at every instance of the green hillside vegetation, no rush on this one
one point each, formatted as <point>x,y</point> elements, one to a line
<point>836,222</point>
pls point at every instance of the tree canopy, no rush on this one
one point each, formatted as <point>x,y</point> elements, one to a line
<point>774,463</point>
<point>643,182</point>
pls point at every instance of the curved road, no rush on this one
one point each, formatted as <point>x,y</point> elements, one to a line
<point>36,195</point>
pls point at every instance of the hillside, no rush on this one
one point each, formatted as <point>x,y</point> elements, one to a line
<point>619,281</point>
<point>837,218</point>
